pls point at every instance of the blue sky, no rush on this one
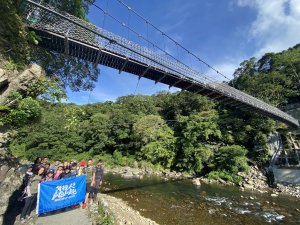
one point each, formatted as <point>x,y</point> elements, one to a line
<point>221,32</point>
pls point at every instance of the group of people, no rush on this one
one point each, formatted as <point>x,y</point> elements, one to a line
<point>42,171</point>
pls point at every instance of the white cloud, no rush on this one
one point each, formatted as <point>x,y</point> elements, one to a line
<point>226,69</point>
<point>276,26</point>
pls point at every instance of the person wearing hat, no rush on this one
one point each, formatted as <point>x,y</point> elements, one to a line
<point>26,178</point>
<point>49,176</point>
<point>82,166</point>
<point>58,172</point>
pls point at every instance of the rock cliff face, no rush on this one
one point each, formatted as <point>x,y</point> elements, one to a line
<point>13,81</point>
<point>11,172</point>
<point>10,176</point>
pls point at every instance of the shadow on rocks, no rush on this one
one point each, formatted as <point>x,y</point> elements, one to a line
<point>14,208</point>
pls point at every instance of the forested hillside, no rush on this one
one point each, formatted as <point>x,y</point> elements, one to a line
<point>274,78</point>
<point>181,131</point>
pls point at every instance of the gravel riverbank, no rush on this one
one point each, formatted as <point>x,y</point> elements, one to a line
<point>254,180</point>
<point>119,212</point>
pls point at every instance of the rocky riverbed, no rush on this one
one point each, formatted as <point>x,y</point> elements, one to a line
<point>181,202</point>
<point>128,172</point>
<point>254,180</point>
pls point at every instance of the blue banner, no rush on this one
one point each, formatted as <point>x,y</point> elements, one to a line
<point>59,194</point>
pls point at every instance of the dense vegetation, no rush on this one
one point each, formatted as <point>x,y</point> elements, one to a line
<point>20,46</point>
<point>274,78</point>
<point>181,131</point>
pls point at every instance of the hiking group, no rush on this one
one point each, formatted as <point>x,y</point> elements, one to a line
<point>42,171</point>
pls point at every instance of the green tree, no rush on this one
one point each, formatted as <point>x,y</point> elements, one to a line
<point>231,159</point>
<point>13,38</point>
<point>182,104</point>
<point>96,133</point>
<point>20,111</point>
<point>155,140</point>
<point>198,135</point>
<point>273,78</point>
<point>138,104</point>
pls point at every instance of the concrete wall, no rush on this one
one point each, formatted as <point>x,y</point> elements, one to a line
<point>287,175</point>
<point>295,113</point>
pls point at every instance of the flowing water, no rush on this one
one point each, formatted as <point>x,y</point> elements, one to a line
<point>180,202</point>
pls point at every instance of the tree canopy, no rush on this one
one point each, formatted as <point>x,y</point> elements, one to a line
<point>122,133</point>
<point>21,46</point>
<point>273,78</point>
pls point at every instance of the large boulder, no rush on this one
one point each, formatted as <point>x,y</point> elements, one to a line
<point>13,81</point>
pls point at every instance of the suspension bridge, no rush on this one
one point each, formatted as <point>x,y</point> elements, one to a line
<point>64,33</point>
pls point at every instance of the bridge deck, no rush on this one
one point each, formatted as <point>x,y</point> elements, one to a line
<point>139,61</point>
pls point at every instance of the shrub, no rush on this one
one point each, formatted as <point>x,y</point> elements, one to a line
<point>215,175</point>
<point>231,159</point>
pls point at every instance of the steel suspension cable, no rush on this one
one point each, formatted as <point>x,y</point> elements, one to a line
<point>206,77</point>
<point>156,46</point>
<point>170,38</point>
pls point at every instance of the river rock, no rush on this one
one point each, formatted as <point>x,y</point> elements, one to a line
<point>120,212</point>
<point>290,189</point>
<point>127,175</point>
<point>247,186</point>
<point>254,180</point>
<point>196,181</point>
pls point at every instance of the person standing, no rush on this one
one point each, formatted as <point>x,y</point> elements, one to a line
<point>31,194</point>
<point>66,174</point>
<point>90,181</point>
<point>55,165</point>
<point>81,169</point>
<point>58,172</point>
<point>36,165</point>
<point>99,173</point>
<point>66,164</point>
<point>74,170</point>
<point>49,176</point>
<point>45,161</point>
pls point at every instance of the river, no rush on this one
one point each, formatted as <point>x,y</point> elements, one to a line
<point>173,202</point>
